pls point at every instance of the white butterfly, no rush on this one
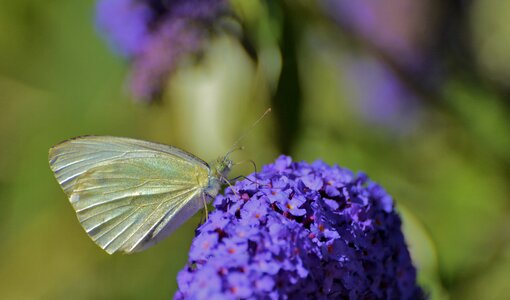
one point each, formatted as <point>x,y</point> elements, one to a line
<point>128,194</point>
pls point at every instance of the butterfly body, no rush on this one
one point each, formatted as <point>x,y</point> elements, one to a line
<point>128,194</point>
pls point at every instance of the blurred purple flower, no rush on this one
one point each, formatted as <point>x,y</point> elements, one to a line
<point>128,30</point>
<point>380,97</point>
<point>377,86</point>
<point>400,28</point>
<point>346,245</point>
<point>161,56</point>
<point>156,34</point>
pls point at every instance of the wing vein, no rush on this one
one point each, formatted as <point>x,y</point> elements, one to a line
<point>116,224</point>
<point>159,221</point>
<point>125,197</point>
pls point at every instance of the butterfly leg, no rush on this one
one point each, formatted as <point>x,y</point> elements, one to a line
<point>244,177</point>
<point>205,207</point>
<point>231,187</point>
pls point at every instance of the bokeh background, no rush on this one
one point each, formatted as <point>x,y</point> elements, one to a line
<point>414,93</point>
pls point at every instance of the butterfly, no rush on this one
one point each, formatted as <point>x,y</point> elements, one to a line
<point>129,194</point>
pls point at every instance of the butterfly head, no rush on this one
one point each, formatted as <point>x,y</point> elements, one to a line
<point>221,167</point>
<point>218,172</point>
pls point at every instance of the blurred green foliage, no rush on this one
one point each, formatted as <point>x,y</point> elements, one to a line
<point>449,173</point>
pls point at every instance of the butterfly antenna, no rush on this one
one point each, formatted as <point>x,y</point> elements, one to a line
<point>235,147</point>
<point>233,150</point>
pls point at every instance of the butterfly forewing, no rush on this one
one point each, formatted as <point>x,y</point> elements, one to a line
<point>127,193</point>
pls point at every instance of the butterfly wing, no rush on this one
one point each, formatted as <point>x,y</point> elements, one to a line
<point>128,194</point>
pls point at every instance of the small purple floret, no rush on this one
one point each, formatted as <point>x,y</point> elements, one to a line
<point>301,231</point>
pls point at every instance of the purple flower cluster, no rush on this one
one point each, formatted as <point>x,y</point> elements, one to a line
<point>300,231</point>
<point>156,34</point>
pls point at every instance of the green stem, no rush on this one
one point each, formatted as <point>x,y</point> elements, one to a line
<point>287,101</point>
